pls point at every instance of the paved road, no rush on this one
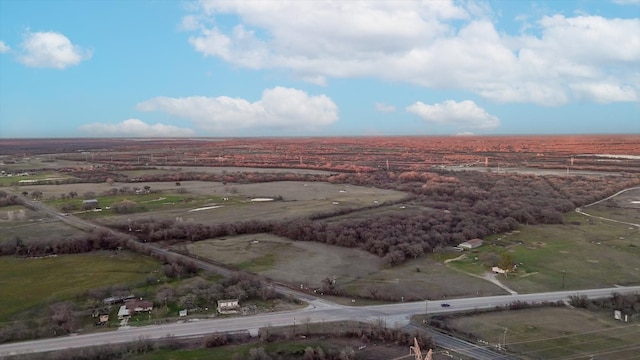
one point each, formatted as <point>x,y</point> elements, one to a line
<point>391,314</point>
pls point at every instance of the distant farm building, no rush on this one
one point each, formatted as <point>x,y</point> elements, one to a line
<point>471,244</point>
<point>90,203</point>
<point>229,306</point>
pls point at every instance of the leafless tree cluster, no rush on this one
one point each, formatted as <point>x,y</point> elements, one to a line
<point>9,199</point>
<point>86,242</point>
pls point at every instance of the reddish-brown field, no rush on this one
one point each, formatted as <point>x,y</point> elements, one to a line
<point>578,152</point>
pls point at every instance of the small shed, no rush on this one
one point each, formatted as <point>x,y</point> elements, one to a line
<point>228,306</point>
<point>471,244</point>
<point>90,203</point>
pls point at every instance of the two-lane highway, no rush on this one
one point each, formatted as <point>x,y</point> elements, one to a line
<point>392,314</point>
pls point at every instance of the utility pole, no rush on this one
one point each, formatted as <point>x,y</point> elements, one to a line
<point>426,312</point>
<point>504,338</point>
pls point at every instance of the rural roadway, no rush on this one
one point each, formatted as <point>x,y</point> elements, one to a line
<point>318,311</point>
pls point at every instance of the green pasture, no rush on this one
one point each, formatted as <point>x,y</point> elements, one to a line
<point>33,227</point>
<point>48,177</point>
<point>554,333</point>
<point>146,202</point>
<point>581,253</point>
<point>30,282</point>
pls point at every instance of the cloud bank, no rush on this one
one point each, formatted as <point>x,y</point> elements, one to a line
<point>465,114</point>
<point>50,50</point>
<point>278,108</point>
<point>436,44</point>
<point>134,128</point>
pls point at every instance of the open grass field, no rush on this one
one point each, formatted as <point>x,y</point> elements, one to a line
<point>284,260</point>
<point>31,179</point>
<point>29,225</point>
<point>30,282</point>
<point>555,333</point>
<point>356,271</point>
<point>624,207</point>
<point>298,199</point>
<point>590,252</point>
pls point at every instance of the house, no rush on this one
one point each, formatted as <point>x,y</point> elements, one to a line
<point>138,305</point>
<point>471,244</point>
<point>229,306</point>
<point>133,306</point>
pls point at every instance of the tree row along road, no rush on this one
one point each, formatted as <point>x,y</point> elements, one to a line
<point>318,311</point>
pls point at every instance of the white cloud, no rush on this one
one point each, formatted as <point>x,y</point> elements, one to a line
<point>382,107</point>
<point>435,44</point>
<point>4,48</point>
<point>465,114</point>
<point>627,2</point>
<point>279,108</point>
<point>50,50</point>
<point>135,128</point>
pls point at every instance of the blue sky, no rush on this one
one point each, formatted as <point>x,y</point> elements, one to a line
<point>149,68</point>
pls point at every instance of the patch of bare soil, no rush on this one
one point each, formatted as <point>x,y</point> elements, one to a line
<point>294,262</point>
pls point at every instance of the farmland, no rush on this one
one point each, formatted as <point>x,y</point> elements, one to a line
<point>362,220</point>
<point>554,333</point>
<point>30,282</point>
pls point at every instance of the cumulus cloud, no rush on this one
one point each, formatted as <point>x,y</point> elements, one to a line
<point>135,128</point>
<point>278,108</point>
<point>435,44</point>
<point>50,50</point>
<point>4,48</point>
<point>465,114</point>
<point>382,107</point>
